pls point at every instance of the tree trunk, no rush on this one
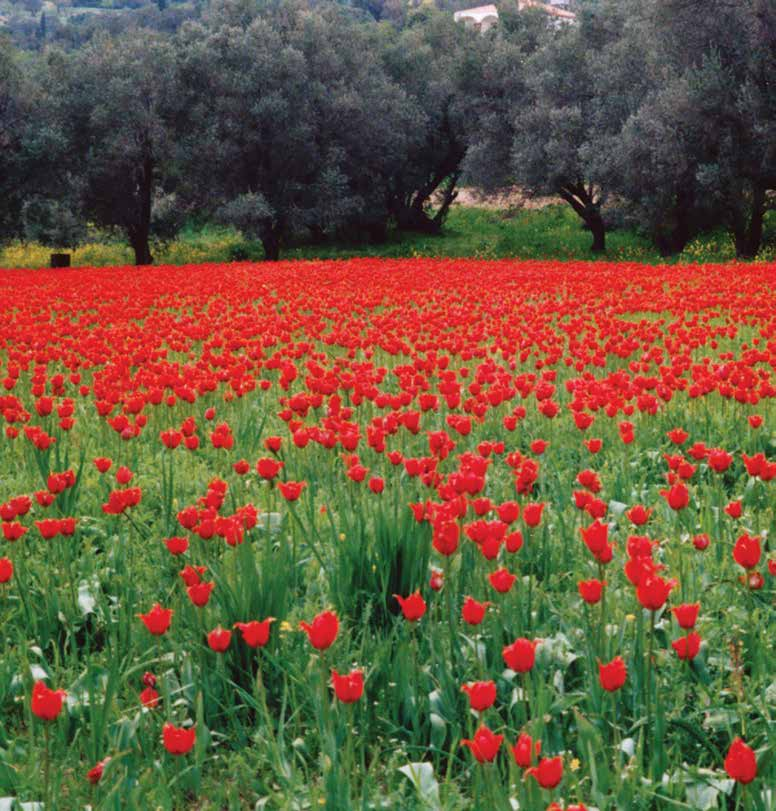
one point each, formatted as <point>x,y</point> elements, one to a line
<point>583,202</point>
<point>378,232</point>
<point>598,229</point>
<point>317,235</point>
<point>271,243</point>
<point>414,218</point>
<point>749,233</point>
<point>679,224</point>
<point>448,198</point>
<point>140,231</point>
<point>138,239</point>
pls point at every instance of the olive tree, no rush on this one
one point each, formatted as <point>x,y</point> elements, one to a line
<point>115,105</point>
<point>12,127</point>
<point>293,122</point>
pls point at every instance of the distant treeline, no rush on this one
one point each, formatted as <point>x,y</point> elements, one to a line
<point>318,122</point>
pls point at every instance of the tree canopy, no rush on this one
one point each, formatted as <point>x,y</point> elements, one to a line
<point>297,120</point>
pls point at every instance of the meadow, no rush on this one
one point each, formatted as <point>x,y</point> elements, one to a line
<point>551,232</point>
<point>388,534</point>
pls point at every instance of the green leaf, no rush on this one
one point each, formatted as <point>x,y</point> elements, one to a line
<point>421,775</point>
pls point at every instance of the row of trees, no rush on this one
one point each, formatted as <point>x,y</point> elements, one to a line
<point>659,113</point>
<point>297,122</point>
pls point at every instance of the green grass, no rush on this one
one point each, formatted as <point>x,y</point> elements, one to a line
<point>550,233</point>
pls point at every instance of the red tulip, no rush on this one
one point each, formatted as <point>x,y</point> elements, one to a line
<point>348,687</point>
<point>124,475</point>
<point>103,464</point>
<point>413,607</point>
<point>613,675</point>
<point>241,467</point>
<point>323,630</point>
<point>268,468</point>
<point>591,591</point>
<point>199,593</point>
<point>273,443</point>
<point>595,536</point>
<point>719,460</point>
<point>740,762</point>
<point>485,745</point>
<point>255,634</point>
<point>94,775</point>
<point>520,655</point>
<point>525,749</point>
<point>473,612</point>
<point>191,575</point>
<point>177,740</point>
<point>687,647</point>
<point>733,509</point>
<point>701,542</point>
<point>753,580</point>
<point>502,580</point>
<point>508,512</point>
<point>445,537</point>
<point>291,490</point>
<point>532,514</point>
<point>157,620</point>
<point>677,497</point>
<point>219,639</point>
<point>149,697</point>
<point>548,773</point>
<point>46,703</point>
<point>6,570</point>
<point>514,541</point>
<point>678,436</point>
<point>177,545</point>
<point>747,552</point>
<point>652,591</point>
<point>686,614</point>
<point>481,694</point>
<point>13,530</point>
<point>638,515</point>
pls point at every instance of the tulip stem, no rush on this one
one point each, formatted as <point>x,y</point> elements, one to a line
<point>529,615</point>
<point>263,698</point>
<point>418,678</point>
<point>615,733</point>
<point>602,633</point>
<point>526,697</point>
<point>324,695</point>
<point>449,607</point>
<point>350,711</point>
<point>649,671</point>
<point>491,788</point>
<point>46,764</point>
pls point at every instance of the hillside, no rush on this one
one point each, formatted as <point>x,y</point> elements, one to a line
<point>30,23</point>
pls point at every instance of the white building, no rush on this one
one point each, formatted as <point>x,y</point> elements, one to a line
<point>481,18</point>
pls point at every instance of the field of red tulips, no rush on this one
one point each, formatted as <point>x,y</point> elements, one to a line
<point>413,534</point>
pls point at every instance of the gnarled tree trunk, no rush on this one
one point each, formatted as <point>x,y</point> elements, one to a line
<point>139,232</point>
<point>270,241</point>
<point>583,201</point>
<point>748,230</point>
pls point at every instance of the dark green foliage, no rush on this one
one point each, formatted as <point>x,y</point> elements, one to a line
<point>324,123</point>
<point>113,109</point>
